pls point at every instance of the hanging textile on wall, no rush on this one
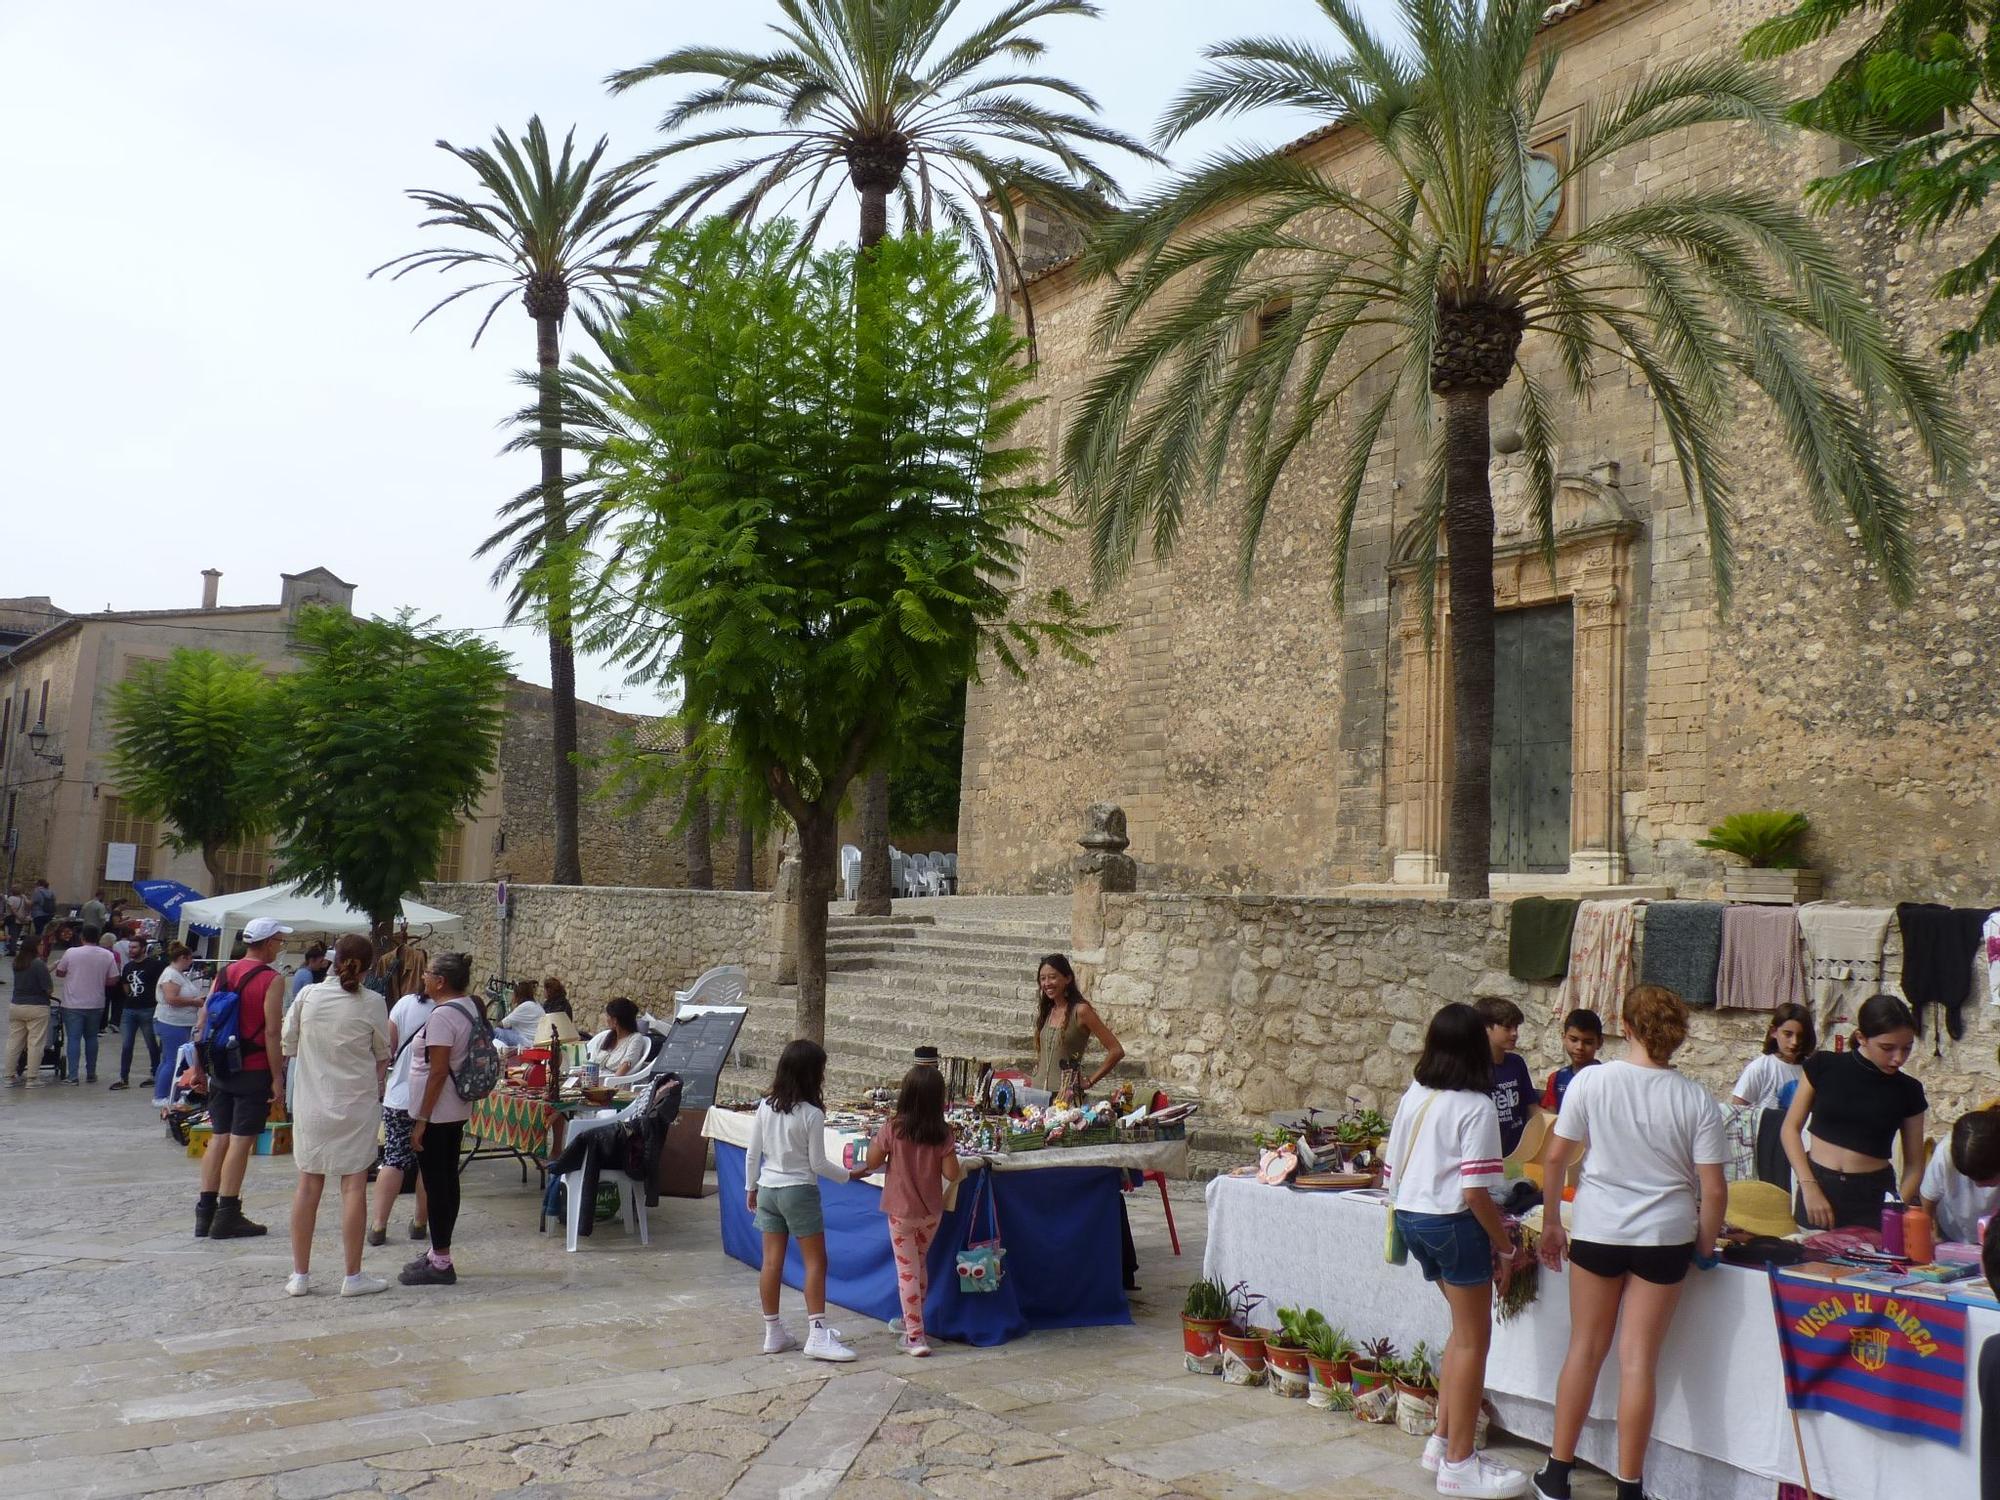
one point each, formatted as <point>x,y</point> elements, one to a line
<point>1843,955</point>
<point>1539,929</point>
<point>1761,967</point>
<point>1682,948</point>
<point>1940,944</point>
<point>1600,958</point>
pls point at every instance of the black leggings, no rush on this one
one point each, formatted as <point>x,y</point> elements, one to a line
<point>437,1164</point>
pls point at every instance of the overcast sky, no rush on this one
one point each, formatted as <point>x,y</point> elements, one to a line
<point>199,372</point>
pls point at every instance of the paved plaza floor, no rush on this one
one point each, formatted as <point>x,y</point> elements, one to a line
<point>137,1360</point>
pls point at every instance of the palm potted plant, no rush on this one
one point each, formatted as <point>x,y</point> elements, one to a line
<point>1369,1373</point>
<point>1328,1350</point>
<point>1416,1392</point>
<point>1285,1353</point>
<point>1242,1345</point>
<point>1203,1314</point>
<point>1768,844</point>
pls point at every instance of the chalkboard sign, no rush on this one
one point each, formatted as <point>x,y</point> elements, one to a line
<point>697,1046</point>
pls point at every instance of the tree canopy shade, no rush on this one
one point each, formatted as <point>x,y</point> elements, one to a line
<point>554,230</point>
<point>383,739</point>
<point>185,738</point>
<point>815,514</point>
<point>1921,97</point>
<point>1416,304</point>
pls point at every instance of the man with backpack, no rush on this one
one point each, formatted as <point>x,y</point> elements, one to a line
<point>236,1045</point>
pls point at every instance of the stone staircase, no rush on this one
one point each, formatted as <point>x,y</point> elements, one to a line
<point>961,981</point>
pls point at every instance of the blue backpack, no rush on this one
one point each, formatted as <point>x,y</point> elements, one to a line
<point>222,1026</point>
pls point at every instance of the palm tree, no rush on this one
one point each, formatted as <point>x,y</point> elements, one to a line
<point>1417,305</point>
<point>553,229</point>
<point>868,92</point>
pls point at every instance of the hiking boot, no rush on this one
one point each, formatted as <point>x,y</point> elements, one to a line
<point>229,1224</point>
<point>204,1216</point>
<point>423,1273</point>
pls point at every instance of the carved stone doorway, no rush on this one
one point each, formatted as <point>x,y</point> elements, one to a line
<point>1595,530</point>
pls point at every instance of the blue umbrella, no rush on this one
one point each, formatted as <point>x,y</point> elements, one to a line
<point>166,896</point>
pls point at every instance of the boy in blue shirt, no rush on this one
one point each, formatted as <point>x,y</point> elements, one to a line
<point>1583,1034</point>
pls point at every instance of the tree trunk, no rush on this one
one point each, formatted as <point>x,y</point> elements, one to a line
<point>874,216</point>
<point>746,855</point>
<point>873,897</point>
<point>701,845</point>
<point>819,842</point>
<point>1468,530</point>
<point>211,856</point>
<point>562,656</point>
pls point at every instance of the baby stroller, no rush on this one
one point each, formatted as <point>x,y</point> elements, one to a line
<point>187,1105</point>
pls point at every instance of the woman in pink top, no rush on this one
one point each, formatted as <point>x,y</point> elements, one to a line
<point>916,1147</point>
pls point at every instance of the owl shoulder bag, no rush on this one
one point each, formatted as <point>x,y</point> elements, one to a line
<point>979,1263</point>
<point>1394,1250</point>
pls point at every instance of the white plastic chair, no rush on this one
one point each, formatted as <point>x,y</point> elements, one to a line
<point>950,867</point>
<point>921,883</point>
<point>633,1192</point>
<point>722,985</point>
<point>899,872</point>
<point>850,871</point>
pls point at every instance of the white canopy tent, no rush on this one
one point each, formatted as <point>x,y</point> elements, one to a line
<point>325,916</point>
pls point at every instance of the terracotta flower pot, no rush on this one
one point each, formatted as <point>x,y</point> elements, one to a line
<point>1374,1396</point>
<point>1242,1356</point>
<point>1290,1369</point>
<point>1416,1409</point>
<point>1202,1344</point>
<point>1329,1390</point>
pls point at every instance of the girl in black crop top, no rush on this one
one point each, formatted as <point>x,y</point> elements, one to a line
<point>1857,1104</point>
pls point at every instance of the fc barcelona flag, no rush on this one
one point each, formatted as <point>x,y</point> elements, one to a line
<point>1870,1355</point>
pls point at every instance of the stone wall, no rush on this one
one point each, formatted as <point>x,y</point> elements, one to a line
<point>1256,1003</point>
<point>1258,742</point>
<point>605,941</point>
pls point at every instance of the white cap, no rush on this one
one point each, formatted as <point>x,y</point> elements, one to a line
<point>263,929</point>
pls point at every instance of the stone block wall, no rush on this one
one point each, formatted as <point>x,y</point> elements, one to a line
<point>1261,1003</point>
<point>605,941</point>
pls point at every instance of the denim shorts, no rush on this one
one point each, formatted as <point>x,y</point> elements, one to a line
<point>790,1210</point>
<point>1451,1248</point>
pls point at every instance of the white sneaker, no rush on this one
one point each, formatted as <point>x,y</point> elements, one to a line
<point>1480,1476</point>
<point>362,1286</point>
<point>778,1338</point>
<point>824,1343</point>
<point>1433,1458</point>
<point>297,1284</point>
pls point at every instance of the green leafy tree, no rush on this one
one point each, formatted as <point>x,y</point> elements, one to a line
<point>816,516</point>
<point>1415,305</point>
<point>554,229</point>
<point>185,734</point>
<point>387,733</point>
<point>871,93</point>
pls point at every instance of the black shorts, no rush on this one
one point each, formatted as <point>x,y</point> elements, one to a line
<point>240,1103</point>
<point>1663,1265</point>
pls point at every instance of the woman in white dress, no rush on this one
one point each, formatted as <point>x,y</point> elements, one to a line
<point>337,1037</point>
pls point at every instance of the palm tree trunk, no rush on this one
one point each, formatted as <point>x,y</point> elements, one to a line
<point>1468,530</point>
<point>746,855</point>
<point>872,895</point>
<point>562,657</point>
<point>819,838</point>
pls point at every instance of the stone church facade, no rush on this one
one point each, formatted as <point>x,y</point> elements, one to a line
<point>1264,742</point>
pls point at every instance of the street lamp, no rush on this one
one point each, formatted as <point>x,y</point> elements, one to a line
<point>38,739</point>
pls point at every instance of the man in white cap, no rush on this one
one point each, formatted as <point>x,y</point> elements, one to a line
<point>240,1103</point>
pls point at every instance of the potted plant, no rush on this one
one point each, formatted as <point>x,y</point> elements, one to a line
<point>1242,1346</point>
<point>1368,1370</point>
<point>1768,845</point>
<point>1285,1354</point>
<point>1416,1392</point>
<point>1203,1313</point>
<point>1328,1350</point>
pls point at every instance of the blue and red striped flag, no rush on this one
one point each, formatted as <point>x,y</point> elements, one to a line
<point>1869,1355</point>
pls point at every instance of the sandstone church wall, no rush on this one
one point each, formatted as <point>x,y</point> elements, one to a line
<point>1259,742</point>
<point>1260,1003</point>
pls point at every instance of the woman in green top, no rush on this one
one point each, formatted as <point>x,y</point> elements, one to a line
<point>1065,1022</point>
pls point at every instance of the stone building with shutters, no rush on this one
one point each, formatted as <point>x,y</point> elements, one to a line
<point>1264,742</point>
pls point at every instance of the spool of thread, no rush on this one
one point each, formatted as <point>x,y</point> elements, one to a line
<point>1894,1233</point>
<point>1918,1241</point>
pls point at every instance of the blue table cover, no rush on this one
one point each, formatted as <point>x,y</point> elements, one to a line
<point>1059,1226</point>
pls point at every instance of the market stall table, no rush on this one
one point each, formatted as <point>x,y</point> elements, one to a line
<point>1721,1432</point>
<point>519,1125</point>
<point>1058,1213</point>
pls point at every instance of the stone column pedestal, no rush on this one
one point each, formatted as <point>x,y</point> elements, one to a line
<point>1104,868</point>
<point>782,952</point>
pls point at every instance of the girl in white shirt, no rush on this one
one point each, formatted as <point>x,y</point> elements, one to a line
<point>782,1166</point>
<point>1772,1077</point>
<point>1649,1205</point>
<point>1443,1164</point>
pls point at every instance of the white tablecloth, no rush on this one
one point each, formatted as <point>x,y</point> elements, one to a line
<point>1721,1430</point>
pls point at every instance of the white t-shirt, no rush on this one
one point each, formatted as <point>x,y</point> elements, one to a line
<point>1768,1082</point>
<point>177,998</point>
<point>788,1150</point>
<point>407,1015</point>
<point>1647,1130</point>
<point>1961,1202</point>
<point>1455,1148</point>
<point>523,1016</point>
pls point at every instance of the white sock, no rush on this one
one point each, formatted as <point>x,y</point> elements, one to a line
<point>770,1318</point>
<point>817,1320</point>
